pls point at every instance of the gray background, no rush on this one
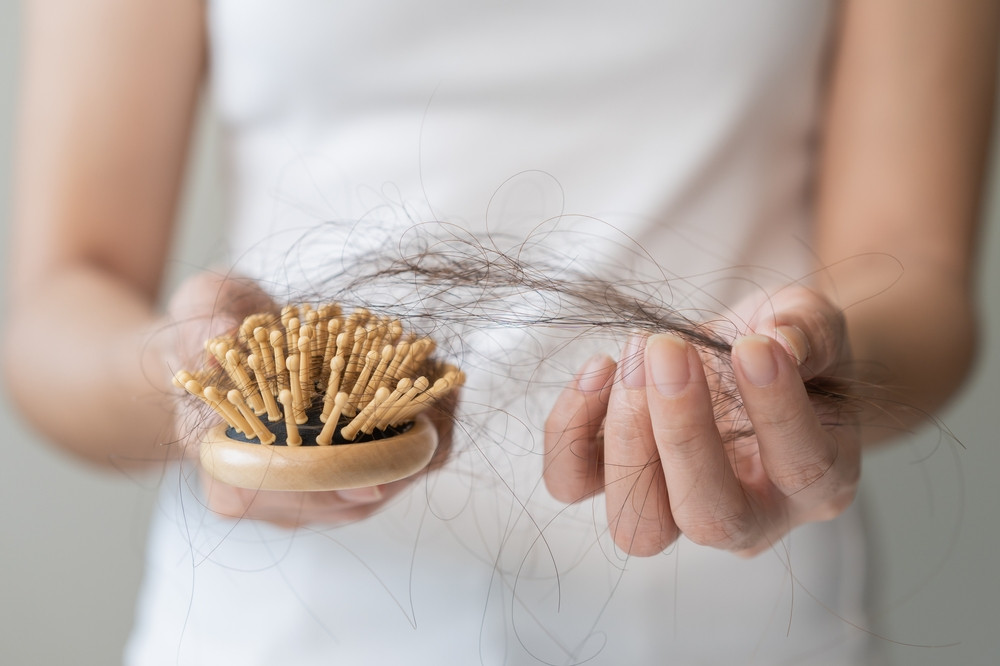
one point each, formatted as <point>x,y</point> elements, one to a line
<point>73,537</point>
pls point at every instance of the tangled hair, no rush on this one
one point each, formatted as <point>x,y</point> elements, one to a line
<point>514,314</point>
<point>455,286</point>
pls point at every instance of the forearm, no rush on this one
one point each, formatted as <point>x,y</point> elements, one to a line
<point>83,361</point>
<point>905,141</point>
<point>913,344</point>
<point>108,95</point>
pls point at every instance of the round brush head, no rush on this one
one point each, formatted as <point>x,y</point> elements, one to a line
<point>313,399</point>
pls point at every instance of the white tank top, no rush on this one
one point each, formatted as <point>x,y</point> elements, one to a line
<point>678,131</point>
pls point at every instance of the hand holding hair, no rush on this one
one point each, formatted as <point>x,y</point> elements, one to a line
<point>675,460</point>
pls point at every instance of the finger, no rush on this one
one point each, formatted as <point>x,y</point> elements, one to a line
<point>205,305</point>
<point>208,293</point>
<point>816,466</point>
<point>291,509</point>
<point>209,304</point>
<point>637,503</point>
<point>365,495</point>
<point>808,327</point>
<point>573,453</point>
<point>706,500</point>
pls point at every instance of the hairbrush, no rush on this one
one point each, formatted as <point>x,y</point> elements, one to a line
<point>313,399</point>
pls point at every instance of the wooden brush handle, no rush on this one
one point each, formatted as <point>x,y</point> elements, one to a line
<point>335,467</point>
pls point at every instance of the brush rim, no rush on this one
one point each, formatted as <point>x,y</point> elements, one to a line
<point>316,468</point>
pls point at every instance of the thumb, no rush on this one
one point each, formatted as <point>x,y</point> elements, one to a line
<point>809,327</point>
<point>208,305</point>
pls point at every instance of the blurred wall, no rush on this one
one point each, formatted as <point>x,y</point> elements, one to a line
<point>73,537</point>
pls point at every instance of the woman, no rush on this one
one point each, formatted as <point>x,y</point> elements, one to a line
<point>679,119</point>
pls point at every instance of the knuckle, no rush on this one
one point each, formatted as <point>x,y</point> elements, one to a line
<point>832,483</point>
<point>790,424</point>
<point>626,440</point>
<point>836,504</point>
<point>797,478</point>
<point>822,464</point>
<point>820,320</point>
<point>685,445</point>
<point>733,531</point>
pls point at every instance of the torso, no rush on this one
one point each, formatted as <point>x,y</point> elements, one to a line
<point>684,129</point>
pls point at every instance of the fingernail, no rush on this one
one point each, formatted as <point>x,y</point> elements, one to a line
<point>632,372</point>
<point>795,341</point>
<point>594,375</point>
<point>362,495</point>
<point>667,358</point>
<point>753,353</point>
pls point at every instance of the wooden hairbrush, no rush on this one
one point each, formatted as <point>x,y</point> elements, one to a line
<point>316,400</point>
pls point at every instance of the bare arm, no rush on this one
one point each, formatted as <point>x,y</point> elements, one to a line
<point>905,149</point>
<point>109,92</point>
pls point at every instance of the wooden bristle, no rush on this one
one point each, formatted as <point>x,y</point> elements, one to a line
<point>187,382</point>
<point>388,351</point>
<point>288,313</point>
<point>229,413</point>
<point>391,416</point>
<point>277,346</point>
<point>350,431</point>
<point>325,437</point>
<point>291,425</point>
<point>252,323</point>
<point>330,345</point>
<point>414,359</point>
<point>358,393</point>
<point>317,363</point>
<point>422,400</point>
<point>256,426</point>
<point>253,347</point>
<point>380,415</point>
<point>333,386</point>
<point>181,378</point>
<point>402,351</point>
<point>292,334</point>
<point>395,331</point>
<point>246,386</point>
<point>273,413</point>
<point>356,357</point>
<point>260,334</point>
<point>305,364</point>
<point>298,399</point>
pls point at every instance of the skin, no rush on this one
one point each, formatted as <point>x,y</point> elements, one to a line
<point>109,96</point>
<point>906,133</point>
<point>669,466</point>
